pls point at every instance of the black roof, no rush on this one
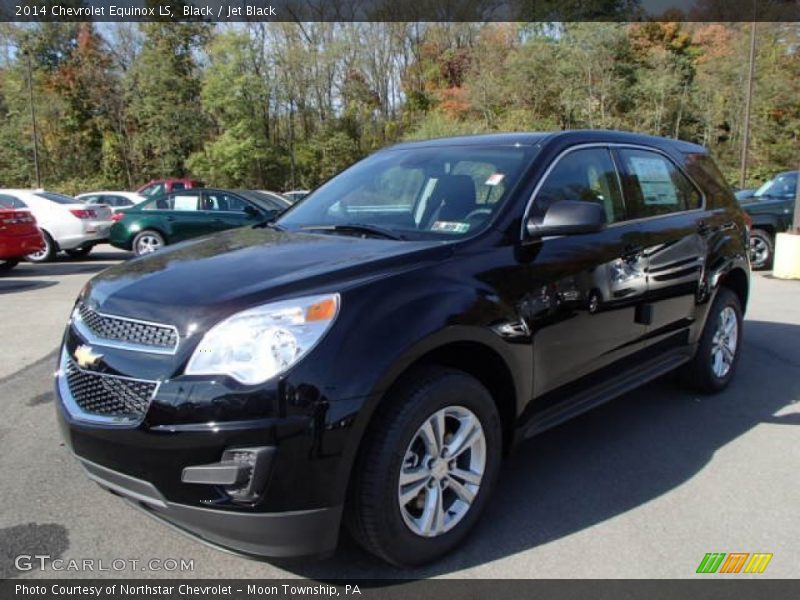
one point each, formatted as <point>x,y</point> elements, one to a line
<point>576,136</point>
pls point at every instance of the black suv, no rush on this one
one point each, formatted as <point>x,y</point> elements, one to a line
<point>371,356</point>
<point>771,208</point>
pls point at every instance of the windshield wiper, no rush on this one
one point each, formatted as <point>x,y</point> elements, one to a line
<point>362,228</point>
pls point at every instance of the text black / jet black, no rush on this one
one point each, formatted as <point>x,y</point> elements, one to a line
<point>374,352</point>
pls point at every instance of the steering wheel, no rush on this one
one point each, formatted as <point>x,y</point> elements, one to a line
<point>478,212</point>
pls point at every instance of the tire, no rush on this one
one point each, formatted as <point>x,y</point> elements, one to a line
<point>7,265</point>
<point>147,242</point>
<point>703,373</point>
<point>80,251</point>
<point>761,249</point>
<point>376,515</point>
<point>47,254</point>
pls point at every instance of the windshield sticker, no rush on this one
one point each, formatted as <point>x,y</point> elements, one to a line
<point>450,227</point>
<point>655,181</point>
<point>494,179</point>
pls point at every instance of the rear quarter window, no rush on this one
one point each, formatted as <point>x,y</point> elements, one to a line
<point>703,170</point>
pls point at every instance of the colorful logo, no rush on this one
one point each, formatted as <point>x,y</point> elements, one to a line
<point>736,562</point>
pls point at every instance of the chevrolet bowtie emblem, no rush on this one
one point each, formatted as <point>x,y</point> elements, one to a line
<point>85,357</point>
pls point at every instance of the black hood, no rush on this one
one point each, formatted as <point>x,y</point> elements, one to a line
<point>203,280</point>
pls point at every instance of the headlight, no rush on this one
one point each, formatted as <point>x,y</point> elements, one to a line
<point>260,343</point>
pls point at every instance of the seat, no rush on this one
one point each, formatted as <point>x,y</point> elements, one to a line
<point>452,199</point>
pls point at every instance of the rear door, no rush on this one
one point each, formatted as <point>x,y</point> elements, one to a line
<point>667,208</point>
<point>185,219</point>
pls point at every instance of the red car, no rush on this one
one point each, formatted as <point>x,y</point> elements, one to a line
<point>19,234</point>
<point>167,186</point>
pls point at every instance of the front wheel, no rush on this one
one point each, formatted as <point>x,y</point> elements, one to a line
<point>714,364</point>
<point>147,242</point>
<point>426,468</point>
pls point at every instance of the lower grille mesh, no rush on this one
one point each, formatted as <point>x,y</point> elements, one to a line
<point>108,395</point>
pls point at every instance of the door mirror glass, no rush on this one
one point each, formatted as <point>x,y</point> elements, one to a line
<point>568,217</point>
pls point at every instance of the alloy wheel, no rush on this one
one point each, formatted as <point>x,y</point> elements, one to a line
<point>442,471</point>
<point>725,342</point>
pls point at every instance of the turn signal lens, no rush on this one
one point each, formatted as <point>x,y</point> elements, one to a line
<point>322,311</point>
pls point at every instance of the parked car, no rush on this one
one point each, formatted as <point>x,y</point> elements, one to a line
<point>156,187</point>
<point>255,386</point>
<point>744,194</point>
<point>279,199</point>
<point>66,223</point>
<point>171,218</point>
<point>19,234</point>
<point>296,195</point>
<point>772,210</point>
<point>115,200</point>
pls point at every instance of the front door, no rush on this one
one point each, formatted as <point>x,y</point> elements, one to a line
<point>584,290</point>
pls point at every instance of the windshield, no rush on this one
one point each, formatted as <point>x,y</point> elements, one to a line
<point>783,186</point>
<point>415,193</point>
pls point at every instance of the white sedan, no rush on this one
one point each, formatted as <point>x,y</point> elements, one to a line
<point>67,224</point>
<point>115,200</point>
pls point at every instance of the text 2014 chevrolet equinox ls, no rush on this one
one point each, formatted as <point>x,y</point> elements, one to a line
<point>371,356</point>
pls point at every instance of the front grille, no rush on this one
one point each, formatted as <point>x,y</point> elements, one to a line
<point>106,395</point>
<point>129,331</point>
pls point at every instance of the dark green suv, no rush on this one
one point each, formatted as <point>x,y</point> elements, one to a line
<point>771,207</point>
<point>186,214</point>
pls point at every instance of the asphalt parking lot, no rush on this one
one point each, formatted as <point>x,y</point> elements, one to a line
<point>642,487</point>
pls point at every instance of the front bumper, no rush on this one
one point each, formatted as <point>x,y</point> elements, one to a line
<point>278,535</point>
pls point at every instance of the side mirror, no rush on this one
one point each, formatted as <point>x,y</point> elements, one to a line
<point>568,217</point>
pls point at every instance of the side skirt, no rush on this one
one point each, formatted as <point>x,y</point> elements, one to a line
<point>602,392</point>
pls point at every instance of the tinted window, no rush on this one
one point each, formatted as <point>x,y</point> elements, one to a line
<point>7,201</point>
<point>654,186</point>
<point>587,175</point>
<point>178,185</point>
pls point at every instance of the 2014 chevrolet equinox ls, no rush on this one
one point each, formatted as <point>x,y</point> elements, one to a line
<point>371,355</point>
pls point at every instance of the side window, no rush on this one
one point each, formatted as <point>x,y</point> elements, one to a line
<point>654,186</point>
<point>589,175</point>
<point>183,202</point>
<point>178,185</point>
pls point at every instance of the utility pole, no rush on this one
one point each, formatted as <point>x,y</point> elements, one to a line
<point>33,121</point>
<point>748,100</point>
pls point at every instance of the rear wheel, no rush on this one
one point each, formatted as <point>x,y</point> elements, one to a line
<point>713,366</point>
<point>47,253</point>
<point>147,242</point>
<point>80,251</point>
<point>427,467</point>
<point>7,265</point>
<point>761,249</point>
